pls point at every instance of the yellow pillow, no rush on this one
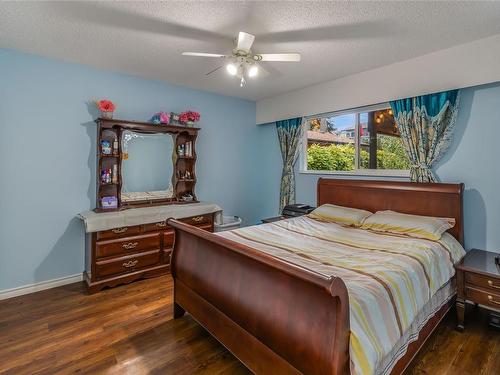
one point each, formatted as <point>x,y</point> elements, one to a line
<point>339,214</point>
<point>411,225</point>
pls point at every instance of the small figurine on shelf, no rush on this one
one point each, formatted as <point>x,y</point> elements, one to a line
<point>160,118</point>
<point>174,118</point>
<point>189,118</point>
<point>106,176</point>
<point>189,149</point>
<point>115,147</point>
<point>107,107</point>
<point>105,147</point>
<point>181,150</point>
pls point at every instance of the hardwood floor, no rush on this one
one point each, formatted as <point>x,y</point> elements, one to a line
<point>130,330</point>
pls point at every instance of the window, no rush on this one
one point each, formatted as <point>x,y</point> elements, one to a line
<point>364,141</point>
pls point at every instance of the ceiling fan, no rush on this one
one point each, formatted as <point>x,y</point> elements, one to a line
<point>243,62</point>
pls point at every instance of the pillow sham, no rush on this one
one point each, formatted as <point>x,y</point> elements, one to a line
<point>427,227</point>
<point>340,214</point>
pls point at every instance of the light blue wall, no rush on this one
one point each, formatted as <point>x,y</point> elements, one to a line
<point>473,159</point>
<point>47,153</point>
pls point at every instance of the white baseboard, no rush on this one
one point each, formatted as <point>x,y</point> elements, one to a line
<point>36,287</point>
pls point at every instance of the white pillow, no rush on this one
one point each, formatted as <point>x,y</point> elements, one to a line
<point>427,227</point>
<point>339,214</point>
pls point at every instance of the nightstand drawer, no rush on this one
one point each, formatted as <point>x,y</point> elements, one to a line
<point>483,297</point>
<point>128,245</point>
<point>483,281</point>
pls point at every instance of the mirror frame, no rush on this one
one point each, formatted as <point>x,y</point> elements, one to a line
<point>182,187</point>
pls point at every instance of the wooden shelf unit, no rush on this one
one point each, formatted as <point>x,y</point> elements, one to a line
<point>182,164</point>
<point>111,129</point>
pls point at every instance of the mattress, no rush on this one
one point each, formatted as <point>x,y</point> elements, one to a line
<point>395,283</point>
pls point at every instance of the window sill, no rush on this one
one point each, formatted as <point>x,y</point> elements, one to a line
<point>363,173</point>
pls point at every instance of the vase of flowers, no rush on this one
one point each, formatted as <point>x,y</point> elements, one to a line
<point>107,107</point>
<point>188,118</point>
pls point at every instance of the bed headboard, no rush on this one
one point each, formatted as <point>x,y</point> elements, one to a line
<point>429,199</point>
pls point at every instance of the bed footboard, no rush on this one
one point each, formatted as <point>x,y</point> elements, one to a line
<point>274,316</point>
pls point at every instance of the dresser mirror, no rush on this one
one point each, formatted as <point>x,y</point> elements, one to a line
<point>146,166</point>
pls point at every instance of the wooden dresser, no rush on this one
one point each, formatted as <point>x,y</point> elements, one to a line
<point>124,254</point>
<point>127,233</point>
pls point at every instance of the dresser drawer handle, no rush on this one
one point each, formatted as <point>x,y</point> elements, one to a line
<point>491,300</point>
<point>130,245</point>
<point>119,230</point>
<point>161,225</point>
<point>198,218</point>
<point>130,263</point>
<point>492,285</point>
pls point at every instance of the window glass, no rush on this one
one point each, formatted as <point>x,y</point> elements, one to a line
<point>359,140</point>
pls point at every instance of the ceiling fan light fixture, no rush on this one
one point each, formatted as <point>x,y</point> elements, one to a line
<point>253,71</point>
<point>232,69</point>
<point>242,63</point>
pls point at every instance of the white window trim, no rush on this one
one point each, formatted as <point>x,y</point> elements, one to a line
<point>357,172</point>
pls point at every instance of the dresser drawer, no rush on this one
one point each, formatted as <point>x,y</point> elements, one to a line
<point>128,245</point>
<point>155,226</point>
<point>198,220</point>
<point>483,297</point>
<point>207,227</point>
<point>168,239</point>
<point>167,255</point>
<point>126,264</point>
<point>483,282</point>
<point>119,232</point>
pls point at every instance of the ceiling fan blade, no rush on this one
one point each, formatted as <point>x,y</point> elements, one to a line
<point>213,70</point>
<point>277,57</point>
<point>202,54</point>
<point>245,41</point>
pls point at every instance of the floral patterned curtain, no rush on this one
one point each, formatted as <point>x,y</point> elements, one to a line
<point>426,126</point>
<point>289,136</point>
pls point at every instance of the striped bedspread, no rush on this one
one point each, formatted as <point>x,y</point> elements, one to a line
<point>389,277</point>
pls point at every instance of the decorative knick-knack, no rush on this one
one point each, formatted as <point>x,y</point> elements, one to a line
<point>188,118</point>
<point>107,107</point>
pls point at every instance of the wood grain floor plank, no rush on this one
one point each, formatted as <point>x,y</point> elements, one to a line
<point>130,330</point>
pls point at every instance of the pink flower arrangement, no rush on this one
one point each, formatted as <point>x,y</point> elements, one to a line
<point>160,118</point>
<point>164,117</point>
<point>105,105</point>
<point>187,116</point>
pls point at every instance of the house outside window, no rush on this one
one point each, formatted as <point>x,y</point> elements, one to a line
<point>364,141</point>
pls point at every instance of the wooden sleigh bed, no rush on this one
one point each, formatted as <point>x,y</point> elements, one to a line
<point>243,296</point>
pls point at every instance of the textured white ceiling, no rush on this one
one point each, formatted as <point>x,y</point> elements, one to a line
<point>335,38</point>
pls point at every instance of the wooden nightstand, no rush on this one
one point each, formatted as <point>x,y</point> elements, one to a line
<point>478,281</point>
